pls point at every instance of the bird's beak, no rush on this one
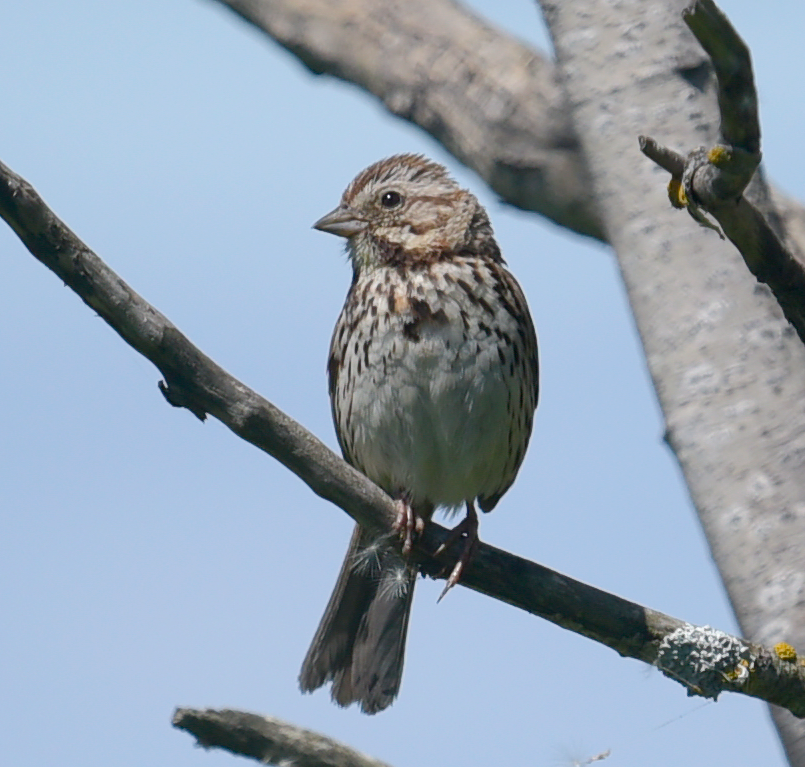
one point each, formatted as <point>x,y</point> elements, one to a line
<point>342,221</point>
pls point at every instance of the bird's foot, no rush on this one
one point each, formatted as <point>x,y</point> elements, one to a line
<point>468,530</point>
<point>408,524</point>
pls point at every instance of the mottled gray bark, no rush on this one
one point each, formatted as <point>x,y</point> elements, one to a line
<point>729,371</point>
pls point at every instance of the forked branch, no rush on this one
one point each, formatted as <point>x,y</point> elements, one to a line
<point>713,181</point>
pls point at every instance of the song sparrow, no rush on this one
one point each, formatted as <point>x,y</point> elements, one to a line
<point>433,385</point>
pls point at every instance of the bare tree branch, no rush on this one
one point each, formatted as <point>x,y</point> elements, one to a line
<point>268,740</point>
<point>194,381</point>
<point>737,99</point>
<point>491,100</point>
<point>715,179</point>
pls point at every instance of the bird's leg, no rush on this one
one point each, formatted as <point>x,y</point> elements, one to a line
<point>467,529</point>
<point>408,524</point>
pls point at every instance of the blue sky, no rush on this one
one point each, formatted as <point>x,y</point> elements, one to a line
<point>150,561</point>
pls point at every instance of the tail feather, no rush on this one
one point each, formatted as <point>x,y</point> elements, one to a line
<point>359,645</point>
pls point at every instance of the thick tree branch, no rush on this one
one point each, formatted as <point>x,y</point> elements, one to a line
<point>715,180</point>
<point>194,381</point>
<point>727,369</point>
<point>491,100</point>
<point>268,740</point>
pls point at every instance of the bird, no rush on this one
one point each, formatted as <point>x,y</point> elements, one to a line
<point>433,380</point>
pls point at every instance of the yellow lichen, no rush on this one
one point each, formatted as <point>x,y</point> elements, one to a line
<point>719,155</point>
<point>739,673</point>
<point>676,193</point>
<point>785,651</point>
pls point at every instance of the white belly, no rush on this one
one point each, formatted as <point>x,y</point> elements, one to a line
<point>433,415</point>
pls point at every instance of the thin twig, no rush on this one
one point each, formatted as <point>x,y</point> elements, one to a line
<point>666,158</point>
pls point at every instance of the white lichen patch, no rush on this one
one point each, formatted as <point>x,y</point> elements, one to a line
<point>704,659</point>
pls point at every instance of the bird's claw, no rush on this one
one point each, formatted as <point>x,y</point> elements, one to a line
<point>467,529</point>
<point>408,525</point>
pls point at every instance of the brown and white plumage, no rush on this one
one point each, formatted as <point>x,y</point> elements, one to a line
<point>433,383</point>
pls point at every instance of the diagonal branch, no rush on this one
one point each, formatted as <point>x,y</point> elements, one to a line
<point>488,98</point>
<point>704,660</point>
<point>493,101</point>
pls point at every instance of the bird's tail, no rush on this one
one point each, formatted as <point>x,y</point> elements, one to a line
<point>360,643</point>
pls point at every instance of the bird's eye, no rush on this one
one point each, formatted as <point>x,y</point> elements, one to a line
<point>391,200</point>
